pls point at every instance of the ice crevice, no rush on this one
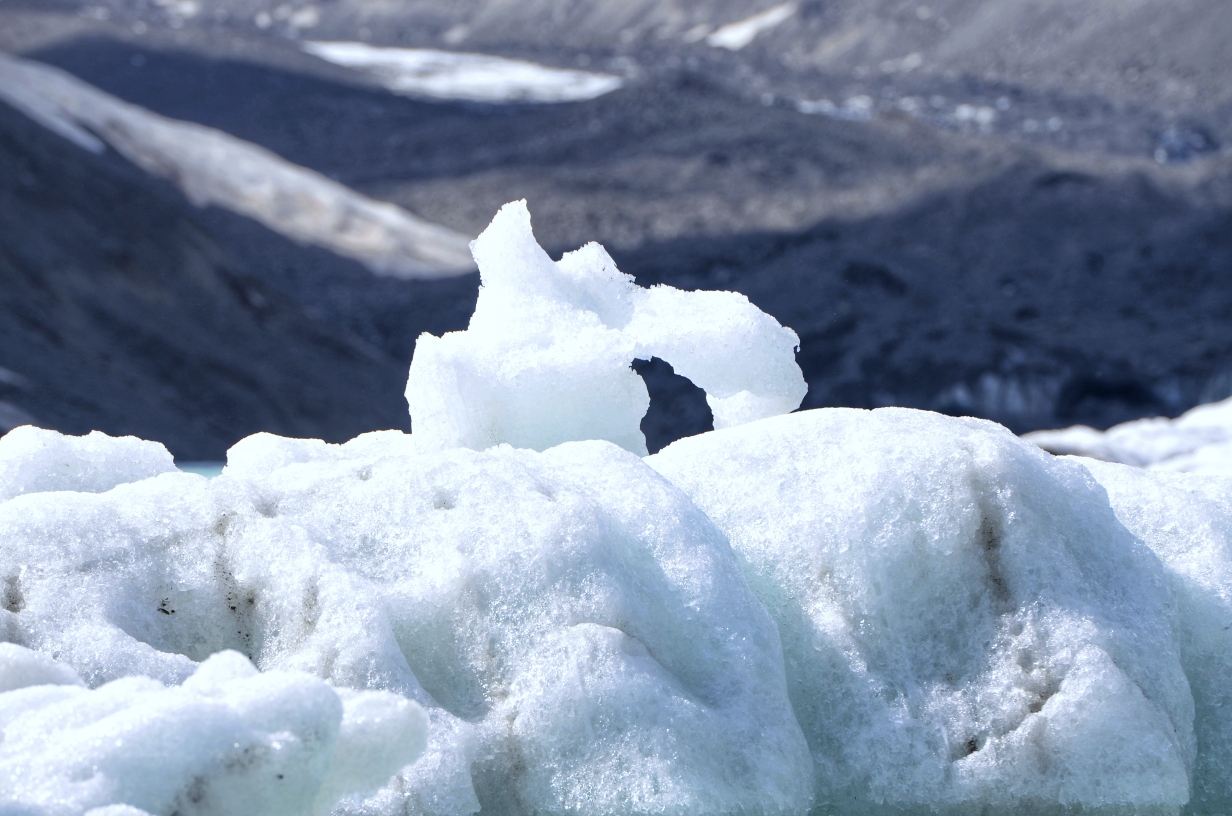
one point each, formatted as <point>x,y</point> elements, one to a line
<point>513,611</point>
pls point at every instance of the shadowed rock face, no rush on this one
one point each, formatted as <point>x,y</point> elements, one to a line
<point>1034,298</point>
<point>1037,278</point>
<point>128,310</point>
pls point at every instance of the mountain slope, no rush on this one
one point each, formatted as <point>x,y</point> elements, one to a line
<point>930,248</point>
<point>128,310</point>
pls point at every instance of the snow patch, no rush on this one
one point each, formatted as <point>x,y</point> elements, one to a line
<point>858,108</point>
<point>735,36</point>
<point>471,77</point>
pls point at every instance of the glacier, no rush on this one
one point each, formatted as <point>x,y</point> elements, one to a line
<point>215,168</point>
<point>514,610</point>
<point>1199,441</point>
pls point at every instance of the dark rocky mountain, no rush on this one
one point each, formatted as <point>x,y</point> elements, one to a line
<point>1040,237</point>
<point>127,309</point>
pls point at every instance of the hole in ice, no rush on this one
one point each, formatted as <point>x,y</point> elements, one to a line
<point>677,407</point>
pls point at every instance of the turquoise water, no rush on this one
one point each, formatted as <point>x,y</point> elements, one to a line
<point>207,469</point>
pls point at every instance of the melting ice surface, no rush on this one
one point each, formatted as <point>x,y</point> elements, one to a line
<point>511,611</point>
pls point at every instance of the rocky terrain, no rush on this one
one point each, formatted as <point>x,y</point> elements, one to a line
<point>1011,210</point>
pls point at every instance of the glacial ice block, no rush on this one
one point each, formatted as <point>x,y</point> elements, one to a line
<point>228,741</point>
<point>588,624</point>
<point>34,460</point>
<point>1187,521</point>
<point>580,633</point>
<point>1199,441</point>
<point>546,357</point>
<point>966,625</point>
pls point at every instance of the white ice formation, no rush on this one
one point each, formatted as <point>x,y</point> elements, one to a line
<point>425,72</point>
<point>580,632</point>
<point>1187,521</point>
<point>546,358</point>
<point>33,460</point>
<point>735,36</point>
<point>214,168</point>
<point>846,612</point>
<point>1198,441</point>
<point>227,740</point>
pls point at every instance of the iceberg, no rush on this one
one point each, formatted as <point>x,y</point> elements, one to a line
<point>513,611</point>
<point>1198,441</point>
<point>34,460</point>
<point>546,357</point>
<point>967,626</point>
<point>581,634</point>
<point>1187,521</point>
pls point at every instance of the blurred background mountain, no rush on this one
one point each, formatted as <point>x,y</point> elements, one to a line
<point>1009,209</point>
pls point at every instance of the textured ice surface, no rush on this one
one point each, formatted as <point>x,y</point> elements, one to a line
<point>34,460</point>
<point>1187,521</point>
<point>966,624</point>
<point>228,741</point>
<point>857,613</point>
<point>581,633</point>
<point>1199,441</point>
<point>546,358</point>
<point>473,77</point>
